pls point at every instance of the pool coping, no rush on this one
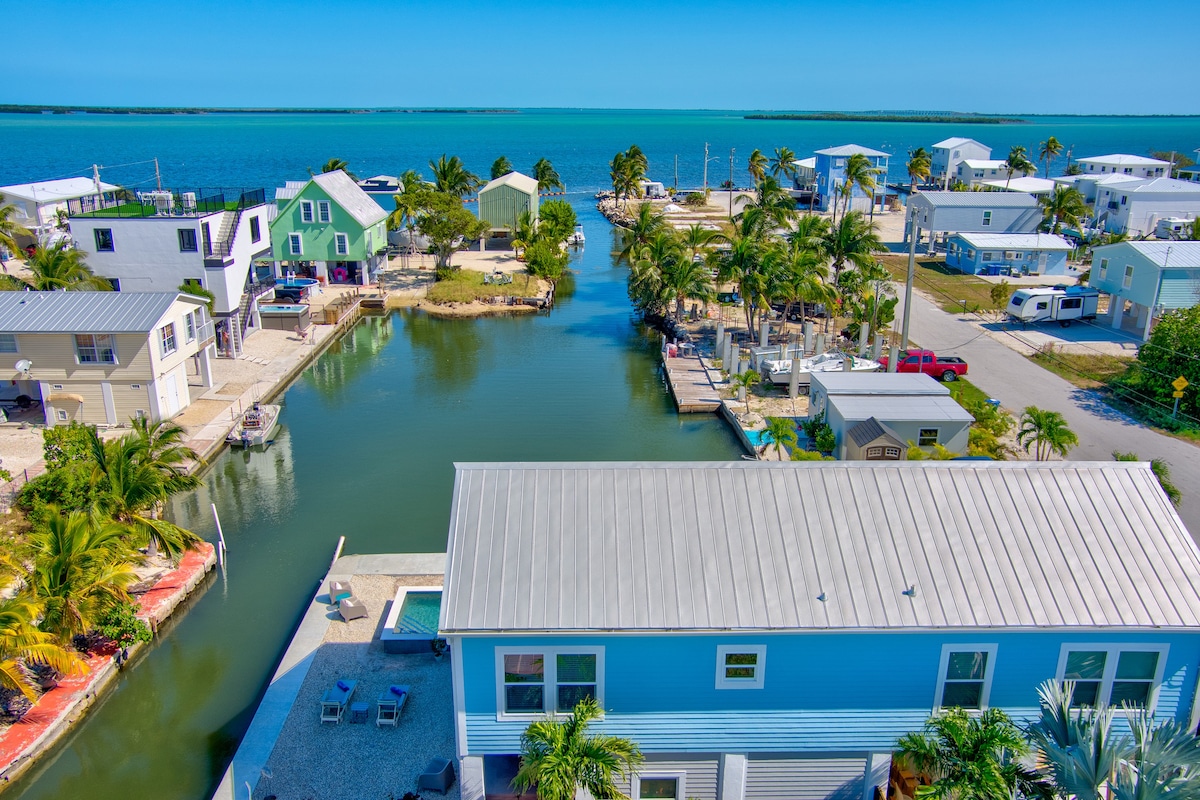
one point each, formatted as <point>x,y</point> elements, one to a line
<point>388,633</point>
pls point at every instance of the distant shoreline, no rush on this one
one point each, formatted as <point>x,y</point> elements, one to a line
<point>961,119</point>
<point>11,108</point>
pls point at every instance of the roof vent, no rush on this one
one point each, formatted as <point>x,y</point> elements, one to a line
<point>821,597</point>
<point>911,591</point>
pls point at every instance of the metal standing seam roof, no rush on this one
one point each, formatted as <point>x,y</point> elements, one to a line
<point>516,180</point>
<point>1124,160</point>
<point>1165,254</point>
<point>342,189</point>
<point>1028,184</point>
<point>756,545</point>
<point>851,149</point>
<point>976,199</point>
<point>1171,185</point>
<point>877,383</point>
<point>958,141</point>
<point>85,312</point>
<point>905,407</point>
<point>1027,241</point>
<point>984,163</point>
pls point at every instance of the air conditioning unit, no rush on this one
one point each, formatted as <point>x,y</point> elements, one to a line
<point>189,201</point>
<point>161,201</point>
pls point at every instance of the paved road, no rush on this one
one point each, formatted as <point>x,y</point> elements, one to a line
<point>1017,382</point>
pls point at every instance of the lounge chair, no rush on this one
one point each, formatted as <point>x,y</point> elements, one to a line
<point>333,704</point>
<point>437,777</point>
<point>391,705</point>
<point>352,608</point>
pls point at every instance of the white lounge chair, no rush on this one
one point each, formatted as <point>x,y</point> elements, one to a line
<point>391,705</point>
<point>333,704</point>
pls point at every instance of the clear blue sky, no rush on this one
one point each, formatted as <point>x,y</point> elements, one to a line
<point>1036,57</point>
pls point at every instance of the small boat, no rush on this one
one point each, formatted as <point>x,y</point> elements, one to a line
<point>577,238</point>
<point>256,427</point>
<point>780,371</point>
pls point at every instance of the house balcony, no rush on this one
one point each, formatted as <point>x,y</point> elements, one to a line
<point>143,205</point>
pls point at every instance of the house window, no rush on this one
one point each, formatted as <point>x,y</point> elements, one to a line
<point>95,348</point>
<point>255,232</point>
<point>115,283</point>
<point>965,676</point>
<point>1128,281</point>
<point>927,437</point>
<point>1112,674</point>
<point>987,219</point>
<point>135,386</point>
<point>839,162</point>
<point>543,681</point>
<point>970,254</point>
<point>987,256</point>
<point>1103,268</point>
<point>166,337</point>
<point>295,244</point>
<point>741,666</point>
<point>341,243</point>
<point>306,211</point>
<point>1124,198</point>
<point>187,240</point>
<point>60,414</point>
<point>189,321</point>
<point>104,240</point>
<point>880,453</point>
<point>323,211</point>
<point>8,343</point>
<point>659,786</point>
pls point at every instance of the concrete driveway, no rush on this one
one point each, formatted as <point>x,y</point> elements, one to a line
<point>1017,382</point>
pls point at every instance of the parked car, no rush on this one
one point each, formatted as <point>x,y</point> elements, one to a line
<point>946,368</point>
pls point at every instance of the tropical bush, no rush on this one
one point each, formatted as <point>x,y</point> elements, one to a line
<point>122,625</point>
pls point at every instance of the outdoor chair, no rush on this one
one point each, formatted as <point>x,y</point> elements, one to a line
<point>333,704</point>
<point>351,608</point>
<point>437,777</point>
<point>391,705</point>
<point>339,590</point>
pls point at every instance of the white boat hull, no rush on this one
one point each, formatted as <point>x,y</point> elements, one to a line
<point>780,372</point>
<point>255,432</point>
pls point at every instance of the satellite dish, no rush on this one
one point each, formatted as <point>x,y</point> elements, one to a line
<point>24,365</point>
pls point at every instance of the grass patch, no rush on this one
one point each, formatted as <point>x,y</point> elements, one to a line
<point>1085,370</point>
<point>467,286</point>
<point>964,392</point>
<point>947,286</point>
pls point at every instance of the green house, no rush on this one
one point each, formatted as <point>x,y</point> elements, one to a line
<point>503,200</point>
<point>328,228</point>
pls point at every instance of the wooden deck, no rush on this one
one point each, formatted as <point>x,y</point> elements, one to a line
<point>690,386</point>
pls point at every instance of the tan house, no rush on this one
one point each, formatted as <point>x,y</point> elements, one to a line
<point>104,357</point>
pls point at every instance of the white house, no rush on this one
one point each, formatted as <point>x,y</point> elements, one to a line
<point>38,204</point>
<point>1089,185</point>
<point>208,237</point>
<point>1135,208</point>
<point>1125,164</point>
<point>971,172</point>
<point>947,154</point>
<point>942,213</point>
<point>1027,184</point>
<point>1145,279</point>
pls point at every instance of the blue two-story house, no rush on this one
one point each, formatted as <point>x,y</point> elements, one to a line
<point>830,169</point>
<point>768,630</point>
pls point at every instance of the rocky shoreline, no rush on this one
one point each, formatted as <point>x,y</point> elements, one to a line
<point>606,204</point>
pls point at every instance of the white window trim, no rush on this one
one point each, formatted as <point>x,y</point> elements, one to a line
<point>1113,652</point>
<point>742,683</point>
<point>338,240</point>
<point>988,672</point>
<point>680,779</point>
<point>1103,268</point>
<point>1127,278</point>
<point>549,679</point>
<point>324,212</point>
<point>294,239</point>
<point>98,363</point>
<point>306,208</point>
<point>937,434</point>
<point>162,340</point>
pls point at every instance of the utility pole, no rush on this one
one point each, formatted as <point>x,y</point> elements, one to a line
<point>706,168</point>
<point>731,151</point>
<point>677,173</point>
<point>157,175</point>
<point>894,360</point>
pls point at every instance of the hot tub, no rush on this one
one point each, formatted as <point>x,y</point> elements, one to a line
<point>284,316</point>
<point>298,283</point>
<point>412,621</point>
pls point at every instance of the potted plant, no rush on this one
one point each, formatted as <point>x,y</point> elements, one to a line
<point>438,646</point>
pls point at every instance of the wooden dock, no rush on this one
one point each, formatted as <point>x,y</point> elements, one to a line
<point>690,385</point>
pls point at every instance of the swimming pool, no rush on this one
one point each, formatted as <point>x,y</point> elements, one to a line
<point>758,438</point>
<point>412,621</point>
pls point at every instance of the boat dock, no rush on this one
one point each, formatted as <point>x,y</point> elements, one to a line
<point>690,384</point>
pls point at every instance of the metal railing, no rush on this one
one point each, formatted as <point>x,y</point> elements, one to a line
<point>124,204</point>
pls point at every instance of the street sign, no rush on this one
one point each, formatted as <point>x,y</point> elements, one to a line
<point>1177,394</point>
<point>1180,384</point>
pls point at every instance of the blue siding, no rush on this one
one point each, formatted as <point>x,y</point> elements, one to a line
<point>830,176</point>
<point>1143,289</point>
<point>1180,288</point>
<point>1056,260</point>
<point>822,692</point>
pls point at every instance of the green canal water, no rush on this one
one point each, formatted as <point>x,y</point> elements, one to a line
<point>370,435</point>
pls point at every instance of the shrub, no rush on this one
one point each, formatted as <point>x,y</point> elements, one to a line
<point>695,200</point>
<point>69,487</point>
<point>121,624</point>
<point>64,444</point>
<point>546,260</point>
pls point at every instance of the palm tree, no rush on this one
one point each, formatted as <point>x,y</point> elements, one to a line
<point>1017,161</point>
<point>800,273</point>
<point>22,642</point>
<point>57,268</point>
<point>1065,205</point>
<point>451,177</point>
<point>1161,470</point>
<point>852,240</point>
<point>1162,762</point>
<point>135,489</point>
<point>920,164</point>
<point>559,757</point>
<point>10,229</point>
<point>1046,432</point>
<point>627,172</point>
<point>82,568</point>
<point>409,204</point>
<point>1048,151</point>
<point>744,380</point>
<point>646,222</point>
<point>1076,745</point>
<point>782,433</point>
<point>684,279</point>
<point>771,208</point>
<point>547,175</point>
<point>635,155</point>
<point>970,757</point>
<point>742,263</point>
<point>783,164</point>
<point>501,167</point>
<point>524,234</point>
<point>695,238</point>
<point>161,448</point>
<point>860,172</point>
<point>756,165</point>
<point>334,164</point>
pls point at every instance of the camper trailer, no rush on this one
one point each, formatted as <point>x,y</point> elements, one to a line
<point>1060,304</point>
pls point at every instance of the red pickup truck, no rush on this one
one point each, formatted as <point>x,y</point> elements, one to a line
<point>947,368</point>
